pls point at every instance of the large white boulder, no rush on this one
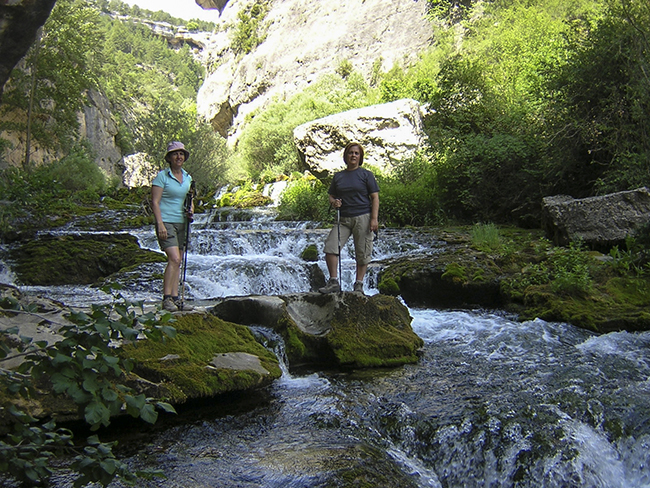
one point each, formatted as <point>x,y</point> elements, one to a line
<point>138,170</point>
<point>389,133</point>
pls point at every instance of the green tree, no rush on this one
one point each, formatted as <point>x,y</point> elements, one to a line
<point>490,119</point>
<point>601,101</point>
<point>59,70</point>
<point>267,140</point>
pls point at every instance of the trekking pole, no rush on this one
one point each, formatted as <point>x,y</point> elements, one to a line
<point>188,208</point>
<point>338,230</point>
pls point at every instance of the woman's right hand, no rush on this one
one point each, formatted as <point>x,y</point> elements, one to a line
<point>161,231</point>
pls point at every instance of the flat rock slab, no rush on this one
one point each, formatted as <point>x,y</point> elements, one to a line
<point>239,361</point>
<point>600,222</point>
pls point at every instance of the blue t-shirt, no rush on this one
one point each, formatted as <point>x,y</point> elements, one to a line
<point>354,189</point>
<point>173,196</point>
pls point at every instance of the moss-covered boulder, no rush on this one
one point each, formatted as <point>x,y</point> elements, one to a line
<point>207,357</point>
<point>77,259</point>
<point>524,273</point>
<point>332,330</point>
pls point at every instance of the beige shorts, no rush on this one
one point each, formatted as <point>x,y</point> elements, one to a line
<point>175,236</point>
<point>359,228</point>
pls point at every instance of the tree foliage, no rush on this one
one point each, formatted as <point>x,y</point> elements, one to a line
<point>267,140</point>
<point>57,72</point>
<point>601,99</point>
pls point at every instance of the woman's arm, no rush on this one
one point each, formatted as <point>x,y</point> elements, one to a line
<point>156,197</point>
<point>374,212</point>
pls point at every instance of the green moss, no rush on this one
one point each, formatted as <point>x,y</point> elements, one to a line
<point>374,334</point>
<point>634,291</point>
<point>388,286</point>
<point>61,260</point>
<point>199,339</point>
<point>455,272</point>
<point>310,253</point>
<point>294,342</point>
<point>532,277</point>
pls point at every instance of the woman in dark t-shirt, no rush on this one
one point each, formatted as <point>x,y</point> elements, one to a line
<point>355,193</point>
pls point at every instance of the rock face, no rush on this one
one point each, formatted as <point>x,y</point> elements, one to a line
<point>212,4</point>
<point>302,42</point>
<point>100,128</point>
<point>600,222</point>
<point>19,23</point>
<point>390,133</point>
<point>138,171</point>
<point>334,330</point>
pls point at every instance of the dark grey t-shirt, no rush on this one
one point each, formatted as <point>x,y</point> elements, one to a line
<point>354,189</point>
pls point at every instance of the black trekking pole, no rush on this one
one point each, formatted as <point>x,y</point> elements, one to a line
<point>338,230</point>
<point>188,208</point>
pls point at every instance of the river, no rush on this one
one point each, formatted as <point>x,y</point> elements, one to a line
<point>491,403</point>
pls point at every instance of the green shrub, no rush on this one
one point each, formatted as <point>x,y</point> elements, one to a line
<point>486,237</point>
<point>76,172</point>
<point>95,381</point>
<point>566,271</point>
<point>304,199</point>
<point>410,195</point>
<point>249,30</point>
<point>267,140</point>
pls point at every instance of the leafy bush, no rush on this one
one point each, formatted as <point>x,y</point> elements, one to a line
<point>304,199</point>
<point>565,271</point>
<point>87,368</point>
<point>208,163</point>
<point>602,101</point>
<point>410,195</point>
<point>486,237</point>
<point>76,172</point>
<point>249,31</point>
<point>267,140</point>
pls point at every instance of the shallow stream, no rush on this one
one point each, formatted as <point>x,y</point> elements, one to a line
<point>491,403</point>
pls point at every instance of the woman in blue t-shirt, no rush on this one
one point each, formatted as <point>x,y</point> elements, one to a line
<point>355,192</point>
<point>168,193</point>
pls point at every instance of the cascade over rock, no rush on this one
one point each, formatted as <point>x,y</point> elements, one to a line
<point>600,222</point>
<point>390,133</point>
<point>302,42</point>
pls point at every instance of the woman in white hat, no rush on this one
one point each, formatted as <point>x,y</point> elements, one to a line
<point>168,193</point>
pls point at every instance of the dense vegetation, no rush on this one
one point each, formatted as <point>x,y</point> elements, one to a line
<point>151,89</point>
<point>529,99</point>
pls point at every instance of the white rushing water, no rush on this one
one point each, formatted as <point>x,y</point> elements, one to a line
<point>491,403</point>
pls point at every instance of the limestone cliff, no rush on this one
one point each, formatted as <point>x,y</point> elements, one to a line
<point>301,42</point>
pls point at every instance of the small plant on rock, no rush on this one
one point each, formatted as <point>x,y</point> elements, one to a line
<point>86,367</point>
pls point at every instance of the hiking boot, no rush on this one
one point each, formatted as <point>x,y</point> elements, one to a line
<point>332,286</point>
<point>169,305</point>
<point>183,305</point>
<point>358,287</point>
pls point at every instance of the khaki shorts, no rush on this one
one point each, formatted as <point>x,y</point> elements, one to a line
<point>175,236</point>
<point>359,228</point>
